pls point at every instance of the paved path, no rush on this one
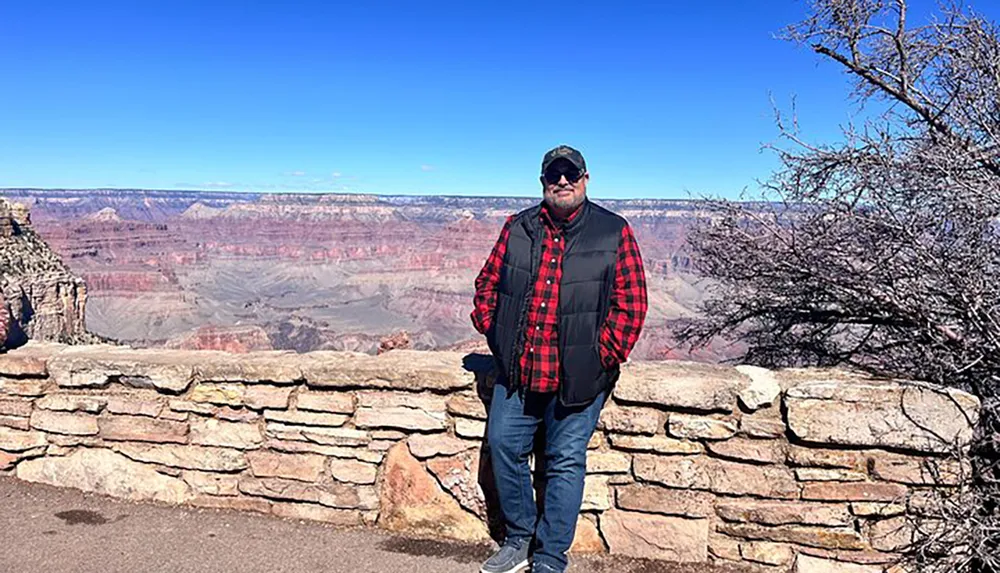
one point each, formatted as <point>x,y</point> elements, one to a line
<point>52,530</point>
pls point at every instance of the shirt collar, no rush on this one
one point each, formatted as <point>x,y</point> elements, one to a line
<point>549,220</point>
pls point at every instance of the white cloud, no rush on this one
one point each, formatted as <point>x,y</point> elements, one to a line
<point>427,168</point>
<point>218,184</point>
<point>295,173</point>
<point>336,175</point>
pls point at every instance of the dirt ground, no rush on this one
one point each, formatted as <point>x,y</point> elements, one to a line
<point>45,529</point>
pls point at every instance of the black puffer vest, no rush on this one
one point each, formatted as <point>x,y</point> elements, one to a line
<point>588,277</point>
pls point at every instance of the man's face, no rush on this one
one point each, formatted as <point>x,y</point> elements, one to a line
<point>564,187</point>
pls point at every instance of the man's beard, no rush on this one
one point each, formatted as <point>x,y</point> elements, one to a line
<point>565,203</point>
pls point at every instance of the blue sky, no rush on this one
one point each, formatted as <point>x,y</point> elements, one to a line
<point>663,98</point>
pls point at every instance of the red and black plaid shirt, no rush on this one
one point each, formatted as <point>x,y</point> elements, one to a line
<point>540,360</point>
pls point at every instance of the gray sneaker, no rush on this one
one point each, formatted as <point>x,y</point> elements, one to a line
<point>510,558</point>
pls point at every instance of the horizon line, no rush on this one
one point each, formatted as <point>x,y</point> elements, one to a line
<point>339,193</point>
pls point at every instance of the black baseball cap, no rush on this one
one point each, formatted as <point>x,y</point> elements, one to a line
<point>564,152</point>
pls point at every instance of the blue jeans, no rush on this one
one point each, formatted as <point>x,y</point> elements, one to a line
<point>513,421</point>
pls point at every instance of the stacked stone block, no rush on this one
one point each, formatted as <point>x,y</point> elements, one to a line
<point>808,470</point>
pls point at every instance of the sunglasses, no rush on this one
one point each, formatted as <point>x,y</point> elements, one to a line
<point>553,176</point>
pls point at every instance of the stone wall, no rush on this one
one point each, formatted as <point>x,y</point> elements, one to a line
<point>799,470</point>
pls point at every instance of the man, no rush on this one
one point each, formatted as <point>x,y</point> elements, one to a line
<point>561,300</point>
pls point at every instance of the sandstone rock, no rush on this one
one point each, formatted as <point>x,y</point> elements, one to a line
<point>363,454</point>
<point>265,396</point>
<point>211,432</point>
<point>64,422</point>
<point>352,471</point>
<point>398,370</point>
<point>716,475</point>
<point>766,553</point>
<point>722,547</point>
<point>141,429</point>
<point>74,441</point>
<point>105,472</point>
<point>430,445</point>
<point>862,557</point>
<point>211,483</point>
<point>808,564</point>
<point>655,499</point>
<point>337,495</point>
<point>676,384</point>
<point>466,404</point>
<point>656,536</point>
<point>881,415</point>
<point>71,403</point>
<point>630,420</point>
<point>856,491</point>
<point>330,402</point>
<point>7,460</point>
<point>608,463</point>
<point>657,444</point>
<point>27,388</point>
<point>230,414</point>
<point>869,509</point>
<point>691,427</point>
<point>56,450</point>
<point>185,457</point>
<point>137,406</point>
<point>918,471</point>
<point>394,435</point>
<point>15,422</point>
<point>587,538</point>
<point>470,429</point>
<point>312,512</point>
<point>305,418</point>
<point>757,427</point>
<point>89,366</point>
<point>15,407</point>
<point>269,367</point>
<point>219,393</point>
<point>819,457</point>
<point>784,513</point>
<point>746,450</point>
<point>188,406</point>
<point>597,441</point>
<point>928,502</point>
<point>412,502</point>
<point>29,361</point>
<point>896,534</point>
<point>12,440</point>
<point>459,476</point>
<point>319,435</point>
<point>422,412</point>
<point>302,467</point>
<point>828,474</point>
<point>824,537</point>
<point>596,493</point>
<point>763,389</point>
<point>236,503</point>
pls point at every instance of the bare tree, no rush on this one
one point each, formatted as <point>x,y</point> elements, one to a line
<point>881,252</point>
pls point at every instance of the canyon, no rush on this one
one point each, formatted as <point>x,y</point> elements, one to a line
<point>245,272</point>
